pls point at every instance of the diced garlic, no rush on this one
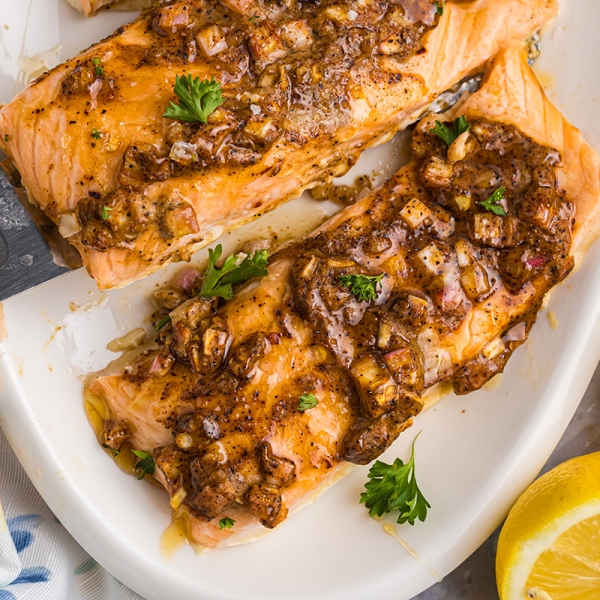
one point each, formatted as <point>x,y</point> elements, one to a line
<point>184,441</point>
<point>459,147</point>
<point>297,35</point>
<point>415,212</point>
<point>183,152</point>
<point>211,40</point>
<point>385,334</point>
<point>475,281</point>
<point>464,252</point>
<point>494,349</point>
<point>397,16</point>
<point>463,201</point>
<point>488,228</point>
<point>437,172</point>
<point>375,385</point>
<point>259,129</point>
<point>432,258</point>
<point>310,267</point>
<point>336,13</point>
<point>68,224</point>
<point>178,498</point>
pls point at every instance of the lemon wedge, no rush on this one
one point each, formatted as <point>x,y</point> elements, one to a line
<point>549,547</point>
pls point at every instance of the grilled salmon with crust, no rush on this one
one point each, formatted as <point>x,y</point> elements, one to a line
<point>466,241</point>
<point>307,88</point>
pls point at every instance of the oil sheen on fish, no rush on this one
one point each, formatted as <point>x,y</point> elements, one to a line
<point>467,239</point>
<point>307,86</point>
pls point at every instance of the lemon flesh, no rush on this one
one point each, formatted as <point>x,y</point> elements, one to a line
<point>570,569</point>
<point>549,547</point>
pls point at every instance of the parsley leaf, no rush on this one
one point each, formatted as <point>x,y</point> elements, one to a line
<point>449,134</point>
<point>219,282</point>
<point>493,202</point>
<point>106,210</point>
<point>307,401</point>
<point>363,287</point>
<point>6,137</point>
<point>198,99</point>
<point>96,134</point>
<point>226,523</point>
<point>146,463</point>
<point>98,64</point>
<point>439,8</point>
<point>114,452</point>
<point>162,322</point>
<point>394,487</point>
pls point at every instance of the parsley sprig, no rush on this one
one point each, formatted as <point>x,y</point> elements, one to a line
<point>307,401</point>
<point>493,202</point>
<point>363,287</point>
<point>220,282</point>
<point>439,8</point>
<point>146,463</point>
<point>449,134</point>
<point>106,210</point>
<point>394,487</point>
<point>226,523</point>
<point>197,99</point>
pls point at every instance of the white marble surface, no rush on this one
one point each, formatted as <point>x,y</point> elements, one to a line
<point>475,579</point>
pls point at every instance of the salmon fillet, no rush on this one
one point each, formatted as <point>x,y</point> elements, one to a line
<point>306,90</point>
<point>462,277</point>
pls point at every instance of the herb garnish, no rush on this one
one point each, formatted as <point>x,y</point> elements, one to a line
<point>363,287</point>
<point>162,322</point>
<point>219,282</point>
<point>449,134</point>
<point>6,137</point>
<point>98,64</point>
<point>226,523</point>
<point>197,99</point>
<point>493,202</point>
<point>307,401</point>
<point>106,210</point>
<point>96,134</point>
<point>146,463</point>
<point>439,8</point>
<point>394,487</point>
<point>114,452</point>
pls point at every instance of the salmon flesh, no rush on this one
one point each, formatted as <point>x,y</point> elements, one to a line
<point>306,87</point>
<point>463,243</point>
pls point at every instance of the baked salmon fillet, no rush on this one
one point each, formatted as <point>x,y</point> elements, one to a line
<point>306,87</point>
<point>251,407</point>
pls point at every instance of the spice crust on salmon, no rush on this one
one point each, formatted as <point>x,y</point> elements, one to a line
<point>252,407</point>
<point>306,88</point>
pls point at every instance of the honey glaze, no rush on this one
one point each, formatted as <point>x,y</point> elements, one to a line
<point>98,415</point>
<point>391,530</point>
<point>129,341</point>
<point>97,411</point>
<point>436,393</point>
<point>173,537</point>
